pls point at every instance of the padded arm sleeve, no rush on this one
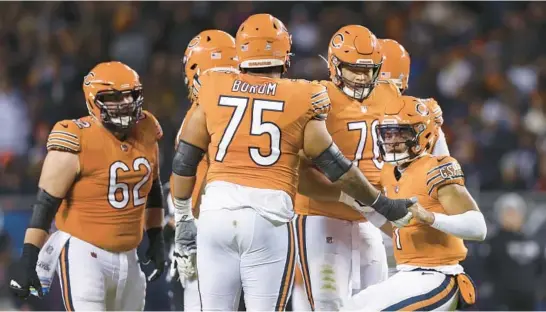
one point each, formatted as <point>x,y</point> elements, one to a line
<point>186,159</point>
<point>44,210</point>
<point>332,163</point>
<point>155,197</point>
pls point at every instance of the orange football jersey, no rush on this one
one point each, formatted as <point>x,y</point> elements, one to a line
<point>352,125</point>
<point>105,206</point>
<point>201,169</point>
<point>256,126</point>
<point>419,244</point>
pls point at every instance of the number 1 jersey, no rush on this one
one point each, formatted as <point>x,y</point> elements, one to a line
<point>256,126</point>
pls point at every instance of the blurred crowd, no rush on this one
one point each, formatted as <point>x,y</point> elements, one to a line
<point>484,62</point>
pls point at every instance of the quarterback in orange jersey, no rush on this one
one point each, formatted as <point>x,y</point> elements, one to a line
<point>333,235</point>
<point>210,50</point>
<point>428,250</point>
<point>253,125</point>
<point>100,181</point>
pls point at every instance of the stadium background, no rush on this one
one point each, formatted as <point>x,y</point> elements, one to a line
<point>485,63</point>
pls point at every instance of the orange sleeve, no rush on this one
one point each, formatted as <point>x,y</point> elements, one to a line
<point>65,136</point>
<point>157,127</point>
<point>320,101</point>
<point>445,171</point>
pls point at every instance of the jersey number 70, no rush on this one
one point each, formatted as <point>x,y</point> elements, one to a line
<point>257,127</point>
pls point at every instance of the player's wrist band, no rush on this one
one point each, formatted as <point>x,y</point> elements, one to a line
<point>182,209</point>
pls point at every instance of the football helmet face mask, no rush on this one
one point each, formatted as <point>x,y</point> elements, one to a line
<point>406,133</point>
<point>209,50</point>
<point>355,60</point>
<point>263,41</point>
<point>113,95</point>
<point>396,66</point>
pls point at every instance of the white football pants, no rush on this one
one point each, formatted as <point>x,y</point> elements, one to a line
<point>373,258</point>
<point>93,279</point>
<point>335,256</point>
<point>240,249</point>
<point>408,291</point>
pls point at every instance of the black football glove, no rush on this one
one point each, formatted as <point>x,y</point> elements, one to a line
<point>24,273</point>
<point>393,209</point>
<point>156,252</point>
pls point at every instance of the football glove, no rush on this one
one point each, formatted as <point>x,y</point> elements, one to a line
<point>24,275</point>
<point>155,252</point>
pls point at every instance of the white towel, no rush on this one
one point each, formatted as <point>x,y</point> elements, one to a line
<point>48,259</point>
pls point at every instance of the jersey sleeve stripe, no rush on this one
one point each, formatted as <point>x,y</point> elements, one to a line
<point>317,102</point>
<point>431,188</point>
<point>318,94</point>
<point>61,148</point>
<point>63,141</point>
<point>432,178</point>
<point>439,167</point>
<point>64,133</point>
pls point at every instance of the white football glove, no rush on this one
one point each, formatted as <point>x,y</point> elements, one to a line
<point>184,266</point>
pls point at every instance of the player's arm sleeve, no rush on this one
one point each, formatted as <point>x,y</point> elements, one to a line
<point>65,137</point>
<point>155,196</point>
<point>320,101</point>
<point>440,148</point>
<point>445,171</point>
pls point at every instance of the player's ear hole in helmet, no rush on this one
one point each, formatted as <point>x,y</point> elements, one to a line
<point>405,134</point>
<point>114,96</point>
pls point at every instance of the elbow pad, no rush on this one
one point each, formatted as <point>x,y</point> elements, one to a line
<point>332,163</point>
<point>44,210</point>
<point>155,197</point>
<point>186,159</point>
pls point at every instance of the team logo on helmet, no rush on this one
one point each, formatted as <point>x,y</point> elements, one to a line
<point>195,41</point>
<point>421,108</point>
<point>87,79</point>
<point>337,41</point>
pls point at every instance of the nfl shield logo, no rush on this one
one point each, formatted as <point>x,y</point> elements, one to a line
<point>396,189</point>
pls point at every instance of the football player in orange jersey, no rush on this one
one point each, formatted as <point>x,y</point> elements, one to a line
<point>429,250</point>
<point>340,251</point>
<point>100,181</point>
<point>396,69</point>
<point>253,125</point>
<point>209,50</point>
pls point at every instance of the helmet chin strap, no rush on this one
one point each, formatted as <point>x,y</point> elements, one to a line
<point>394,159</point>
<point>353,93</point>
